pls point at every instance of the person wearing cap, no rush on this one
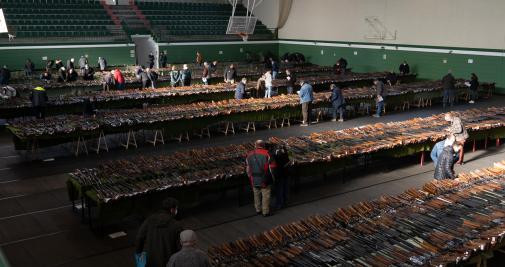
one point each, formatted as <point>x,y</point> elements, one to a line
<point>240,89</point>
<point>158,237</point>
<point>306,98</point>
<point>39,99</point>
<point>189,255</point>
<point>260,166</point>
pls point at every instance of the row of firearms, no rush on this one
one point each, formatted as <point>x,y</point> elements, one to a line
<point>68,124</point>
<point>60,126</point>
<point>247,70</point>
<point>446,222</point>
<point>124,178</point>
<point>134,94</point>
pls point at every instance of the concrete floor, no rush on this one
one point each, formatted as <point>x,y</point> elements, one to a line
<point>38,227</point>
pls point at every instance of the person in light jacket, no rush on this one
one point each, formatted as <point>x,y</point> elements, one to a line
<point>306,98</point>
<point>267,77</point>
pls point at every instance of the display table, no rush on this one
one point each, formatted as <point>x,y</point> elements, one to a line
<point>117,182</point>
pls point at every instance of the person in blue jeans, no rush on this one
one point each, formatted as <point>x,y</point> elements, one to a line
<point>381,96</point>
<point>439,147</point>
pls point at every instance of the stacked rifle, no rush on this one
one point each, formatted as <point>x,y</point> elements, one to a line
<point>446,222</point>
<point>125,178</point>
<point>60,126</point>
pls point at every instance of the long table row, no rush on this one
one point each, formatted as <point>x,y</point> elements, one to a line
<point>67,104</point>
<point>445,223</point>
<point>113,183</point>
<point>196,116</point>
<point>252,70</point>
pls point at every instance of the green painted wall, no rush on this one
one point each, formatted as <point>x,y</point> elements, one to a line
<point>15,58</point>
<point>230,52</point>
<point>428,65</point>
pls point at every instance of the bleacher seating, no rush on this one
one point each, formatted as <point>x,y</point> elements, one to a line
<point>56,18</point>
<point>190,18</point>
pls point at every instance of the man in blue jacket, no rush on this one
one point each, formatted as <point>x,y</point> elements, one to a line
<point>306,98</point>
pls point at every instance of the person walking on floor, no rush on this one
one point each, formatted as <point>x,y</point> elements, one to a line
<point>189,255</point>
<point>448,82</point>
<point>260,166</point>
<point>158,237</point>
<point>444,169</point>
<point>381,96</point>
<point>306,97</point>
<point>337,102</point>
<point>39,99</point>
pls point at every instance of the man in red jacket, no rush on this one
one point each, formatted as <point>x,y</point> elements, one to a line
<point>119,80</point>
<point>260,166</point>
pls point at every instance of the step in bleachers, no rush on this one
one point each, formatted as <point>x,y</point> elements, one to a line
<point>56,18</point>
<point>188,18</point>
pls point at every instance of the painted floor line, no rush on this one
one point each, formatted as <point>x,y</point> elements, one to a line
<point>34,212</point>
<point>9,181</point>
<point>31,238</point>
<point>10,197</point>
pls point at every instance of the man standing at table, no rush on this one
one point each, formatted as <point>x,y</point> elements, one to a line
<point>158,237</point>
<point>260,165</point>
<point>448,82</point>
<point>381,96</point>
<point>240,89</point>
<point>306,98</point>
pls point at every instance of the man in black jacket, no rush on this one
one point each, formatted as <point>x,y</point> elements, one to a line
<point>88,73</point>
<point>29,68</point>
<point>39,101</point>
<point>163,59</point>
<point>337,102</point>
<point>290,85</point>
<point>445,164</point>
<point>230,74</point>
<point>159,235</point>
<point>404,68</point>
<point>448,82</point>
<point>5,75</point>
